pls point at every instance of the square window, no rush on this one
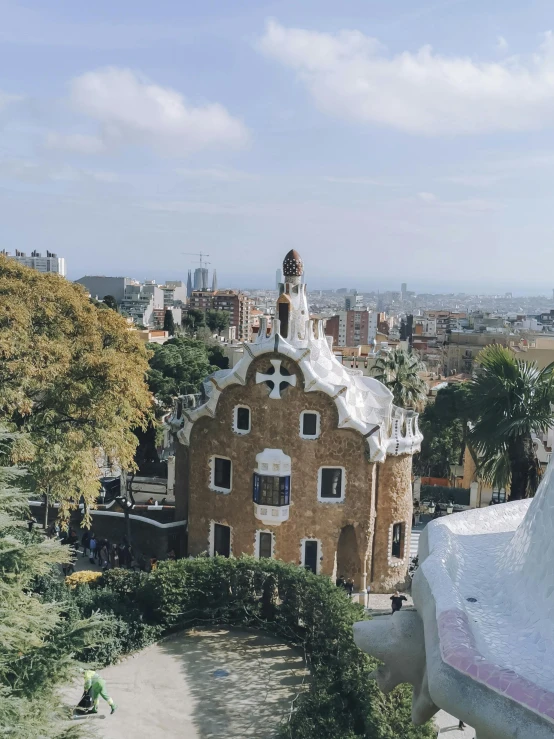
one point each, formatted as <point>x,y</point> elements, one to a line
<point>331,483</point>
<point>242,419</point>
<point>265,543</point>
<point>270,490</point>
<point>222,473</point>
<point>398,533</point>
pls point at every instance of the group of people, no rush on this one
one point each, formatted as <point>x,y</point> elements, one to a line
<point>105,554</point>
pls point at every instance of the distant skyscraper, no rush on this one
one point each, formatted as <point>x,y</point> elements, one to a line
<point>50,263</point>
<point>278,278</point>
<point>403,290</point>
<point>214,281</point>
<point>201,278</point>
<point>189,285</point>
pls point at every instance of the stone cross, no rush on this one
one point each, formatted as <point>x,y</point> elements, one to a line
<point>277,378</point>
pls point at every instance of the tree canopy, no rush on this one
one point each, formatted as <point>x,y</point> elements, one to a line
<point>444,427</point>
<point>36,645</point>
<point>400,372</point>
<point>194,319</point>
<point>217,320</point>
<point>509,400</point>
<point>110,302</point>
<point>169,322</point>
<point>72,381</point>
<point>178,367</point>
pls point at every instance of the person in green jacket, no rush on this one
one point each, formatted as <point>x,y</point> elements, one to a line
<point>97,687</point>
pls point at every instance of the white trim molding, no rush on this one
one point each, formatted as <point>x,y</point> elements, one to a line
<point>213,486</point>
<point>257,542</point>
<point>310,437</point>
<point>236,430</point>
<point>319,482</point>
<point>319,552</point>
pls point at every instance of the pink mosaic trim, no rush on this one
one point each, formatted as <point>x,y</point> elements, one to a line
<point>458,650</point>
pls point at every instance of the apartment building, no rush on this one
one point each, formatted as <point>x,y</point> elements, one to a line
<point>236,304</point>
<point>49,263</point>
<point>352,327</point>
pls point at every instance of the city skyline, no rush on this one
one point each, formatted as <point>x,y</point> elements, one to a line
<point>246,130</point>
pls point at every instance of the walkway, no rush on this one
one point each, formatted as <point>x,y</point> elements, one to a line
<point>202,685</point>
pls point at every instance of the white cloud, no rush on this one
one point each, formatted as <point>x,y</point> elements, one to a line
<point>427,197</point>
<point>75,142</point>
<point>349,75</point>
<point>501,43</point>
<point>219,175</point>
<point>131,109</point>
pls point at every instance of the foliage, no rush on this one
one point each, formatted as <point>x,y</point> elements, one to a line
<point>110,302</point>
<point>400,372</point>
<point>217,320</point>
<point>444,426</point>
<point>216,356</point>
<point>194,319</point>
<point>169,322</point>
<point>71,378</point>
<point>85,577</point>
<point>178,367</point>
<point>36,645</point>
<point>509,400</point>
<point>310,613</point>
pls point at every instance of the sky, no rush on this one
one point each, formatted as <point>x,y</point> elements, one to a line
<point>387,141</point>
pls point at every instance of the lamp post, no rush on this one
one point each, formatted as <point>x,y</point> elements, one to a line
<point>126,504</point>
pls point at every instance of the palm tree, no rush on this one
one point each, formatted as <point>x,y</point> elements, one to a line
<point>509,400</point>
<point>400,372</point>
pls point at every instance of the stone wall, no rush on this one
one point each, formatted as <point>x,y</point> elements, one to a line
<point>394,505</point>
<point>275,424</point>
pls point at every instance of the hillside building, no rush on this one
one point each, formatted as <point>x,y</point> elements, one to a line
<point>294,456</point>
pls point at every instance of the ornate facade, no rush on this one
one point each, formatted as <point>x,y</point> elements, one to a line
<point>296,457</point>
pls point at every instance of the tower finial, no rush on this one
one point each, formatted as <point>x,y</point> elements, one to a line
<point>293,265</point>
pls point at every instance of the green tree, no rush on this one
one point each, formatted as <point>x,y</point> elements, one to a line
<point>169,322</point>
<point>178,367</point>
<point>110,302</point>
<point>510,399</point>
<point>194,319</point>
<point>216,356</point>
<point>400,372</point>
<point>72,379</point>
<point>36,644</point>
<point>217,320</point>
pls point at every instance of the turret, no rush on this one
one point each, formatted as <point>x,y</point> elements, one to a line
<point>292,304</point>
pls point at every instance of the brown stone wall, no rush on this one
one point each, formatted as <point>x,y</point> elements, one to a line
<point>394,505</point>
<point>275,424</point>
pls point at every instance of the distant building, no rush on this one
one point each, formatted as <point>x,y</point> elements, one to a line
<point>50,263</point>
<point>189,284</point>
<point>201,278</point>
<point>175,294</point>
<point>352,327</point>
<point>403,291</point>
<point>214,281</point>
<point>100,286</point>
<point>353,302</point>
<point>235,303</point>
<point>278,278</point>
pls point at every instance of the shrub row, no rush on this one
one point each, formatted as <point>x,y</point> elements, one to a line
<point>307,610</point>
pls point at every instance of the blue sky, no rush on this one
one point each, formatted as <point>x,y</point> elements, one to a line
<point>385,140</point>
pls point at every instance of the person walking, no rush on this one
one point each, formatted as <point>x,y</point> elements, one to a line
<point>96,687</point>
<point>104,555</point>
<point>397,600</point>
<point>461,726</point>
<point>114,557</point>
<point>367,594</point>
<point>92,548</point>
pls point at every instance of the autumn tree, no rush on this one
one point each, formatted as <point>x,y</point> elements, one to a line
<point>72,381</point>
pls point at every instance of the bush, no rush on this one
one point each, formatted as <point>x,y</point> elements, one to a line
<point>307,610</point>
<point>85,577</point>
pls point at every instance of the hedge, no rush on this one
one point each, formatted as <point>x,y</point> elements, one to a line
<point>306,610</point>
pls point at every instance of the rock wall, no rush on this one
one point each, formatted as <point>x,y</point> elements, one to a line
<point>394,506</point>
